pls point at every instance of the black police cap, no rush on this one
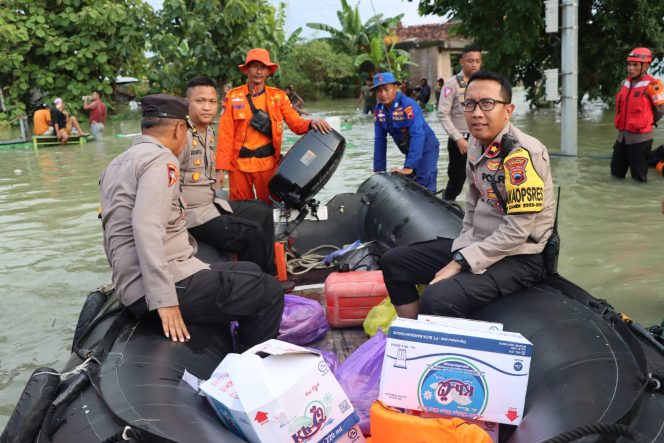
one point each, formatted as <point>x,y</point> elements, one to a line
<point>164,106</point>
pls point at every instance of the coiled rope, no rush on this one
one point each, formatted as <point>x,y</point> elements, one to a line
<point>308,261</point>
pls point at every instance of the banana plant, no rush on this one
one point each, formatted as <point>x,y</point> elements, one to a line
<point>384,59</point>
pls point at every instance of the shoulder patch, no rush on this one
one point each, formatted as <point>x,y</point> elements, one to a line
<point>173,174</point>
<point>410,114</point>
<point>515,166</point>
<point>447,91</point>
<point>524,186</point>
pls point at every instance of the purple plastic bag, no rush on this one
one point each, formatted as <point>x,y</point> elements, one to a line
<point>303,320</point>
<point>330,358</point>
<point>359,376</point>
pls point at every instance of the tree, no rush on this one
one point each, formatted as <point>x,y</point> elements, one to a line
<point>66,48</point>
<point>318,71</point>
<point>355,37</point>
<point>512,34</point>
<point>211,38</point>
<point>383,59</point>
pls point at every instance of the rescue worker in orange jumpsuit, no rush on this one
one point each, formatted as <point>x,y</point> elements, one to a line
<point>639,104</point>
<point>251,129</point>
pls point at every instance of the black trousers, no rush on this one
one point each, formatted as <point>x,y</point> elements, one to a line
<point>249,233</point>
<point>229,291</point>
<point>406,266</point>
<point>456,171</point>
<point>635,157</point>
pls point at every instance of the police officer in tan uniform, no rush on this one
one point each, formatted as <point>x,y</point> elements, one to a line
<point>508,220</point>
<point>249,231</point>
<point>452,118</point>
<point>151,253</point>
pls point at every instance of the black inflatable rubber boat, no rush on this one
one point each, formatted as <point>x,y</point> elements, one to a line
<point>594,375</point>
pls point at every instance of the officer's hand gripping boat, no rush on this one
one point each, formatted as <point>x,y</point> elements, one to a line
<point>595,376</point>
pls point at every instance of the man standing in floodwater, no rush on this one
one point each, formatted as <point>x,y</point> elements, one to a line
<point>401,117</point>
<point>451,116</point>
<point>97,110</point>
<point>508,220</point>
<point>251,128</point>
<point>639,104</point>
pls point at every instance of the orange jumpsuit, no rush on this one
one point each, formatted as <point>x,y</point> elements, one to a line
<point>253,173</point>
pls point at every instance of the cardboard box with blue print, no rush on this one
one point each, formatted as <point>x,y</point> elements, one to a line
<point>471,373</point>
<point>277,391</point>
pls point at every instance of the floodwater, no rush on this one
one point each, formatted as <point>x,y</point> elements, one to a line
<point>51,253</point>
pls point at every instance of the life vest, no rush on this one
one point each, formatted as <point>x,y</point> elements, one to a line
<point>633,107</point>
<point>390,425</point>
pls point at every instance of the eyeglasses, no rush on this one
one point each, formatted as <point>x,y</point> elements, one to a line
<point>486,104</point>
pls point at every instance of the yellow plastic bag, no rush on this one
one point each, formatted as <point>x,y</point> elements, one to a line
<point>380,316</point>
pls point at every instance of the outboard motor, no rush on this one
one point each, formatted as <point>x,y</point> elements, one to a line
<point>304,170</point>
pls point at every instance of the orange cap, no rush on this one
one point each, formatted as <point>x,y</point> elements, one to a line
<point>258,55</point>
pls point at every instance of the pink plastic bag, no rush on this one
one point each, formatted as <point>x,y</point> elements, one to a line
<point>303,320</point>
<point>359,376</point>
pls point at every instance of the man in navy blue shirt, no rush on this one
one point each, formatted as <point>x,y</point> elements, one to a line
<point>401,117</point>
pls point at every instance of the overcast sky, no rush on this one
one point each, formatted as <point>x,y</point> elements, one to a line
<point>301,12</point>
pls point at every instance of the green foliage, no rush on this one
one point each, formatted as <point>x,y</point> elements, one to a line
<point>354,37</point>
<point>318,71</point>
<point>66,48</point>
<point>512,34</point>
<point>394,60</point>
<point>211,38</point>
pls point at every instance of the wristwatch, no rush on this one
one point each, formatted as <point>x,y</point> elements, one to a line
<point>459,258</point>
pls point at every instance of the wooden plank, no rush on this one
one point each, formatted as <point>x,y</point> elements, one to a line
<point>51,140</point>
<point>340,341</point>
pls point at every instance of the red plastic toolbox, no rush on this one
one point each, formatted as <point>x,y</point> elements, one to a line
<point>350,295</point>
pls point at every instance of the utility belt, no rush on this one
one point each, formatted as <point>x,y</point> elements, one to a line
<point>262,152</point>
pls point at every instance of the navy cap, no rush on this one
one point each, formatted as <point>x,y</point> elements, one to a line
<point>164,106</point>
<point>384,78</point>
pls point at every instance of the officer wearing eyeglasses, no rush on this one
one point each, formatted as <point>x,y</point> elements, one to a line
<point>508,220</point>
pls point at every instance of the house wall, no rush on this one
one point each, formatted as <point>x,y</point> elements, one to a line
<point>433,63</point>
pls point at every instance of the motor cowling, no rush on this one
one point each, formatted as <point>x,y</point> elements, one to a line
<point>306,167</point>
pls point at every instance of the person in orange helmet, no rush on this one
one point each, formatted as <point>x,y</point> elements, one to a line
<point>251,128</point>
<point>639,104</point>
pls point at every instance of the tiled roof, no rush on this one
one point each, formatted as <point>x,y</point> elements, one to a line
<point>431,34</point>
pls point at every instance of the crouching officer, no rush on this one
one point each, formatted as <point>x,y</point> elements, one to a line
<point>508,220</point>
<point>151,253</point>
<point>244,227</point>
<point>402,118</point>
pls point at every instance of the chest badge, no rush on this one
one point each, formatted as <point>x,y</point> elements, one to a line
<point>197,162</point>
<point>196,176</point>
<point>194,142</point>
<point>493,165</point>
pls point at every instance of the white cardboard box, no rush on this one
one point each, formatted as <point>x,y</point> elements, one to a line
<point>472,374</point>
<point>462,323</point>
<point>277,391</point>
